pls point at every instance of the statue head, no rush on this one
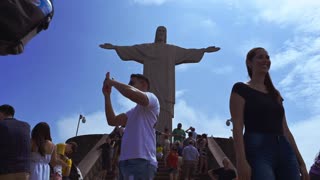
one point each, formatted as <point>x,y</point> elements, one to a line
<point>161,35</point>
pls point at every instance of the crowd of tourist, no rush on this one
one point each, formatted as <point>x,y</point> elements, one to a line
<point>187,156</point>
<point>31,155</point>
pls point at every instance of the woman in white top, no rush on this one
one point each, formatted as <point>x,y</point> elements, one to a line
<point>42,152</point>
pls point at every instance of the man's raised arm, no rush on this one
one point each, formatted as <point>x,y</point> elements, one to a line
<point>112,119</point>
<point>130,92</point>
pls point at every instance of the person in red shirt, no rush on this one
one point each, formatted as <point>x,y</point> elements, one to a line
<point>172,163</point>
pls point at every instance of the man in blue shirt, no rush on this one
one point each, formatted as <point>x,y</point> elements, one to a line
<point>15,146</point>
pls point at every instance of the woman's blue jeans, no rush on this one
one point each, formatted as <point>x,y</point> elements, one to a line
<point>271,157</point>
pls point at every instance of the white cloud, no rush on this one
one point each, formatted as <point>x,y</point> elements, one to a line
<point>183,67</point>
<point>306,134</point>
<point>251,43</point>
<point>207,26</point>
<point>180,93</point>
<point>95,124</point>
<point>302,82</point>
<point>208,23</point>
<point>303,15</point>
<point>286,12</point>
<point>286,58</point>
<point>222,70</point>
<point>298,50</point>
<point>212,124</point>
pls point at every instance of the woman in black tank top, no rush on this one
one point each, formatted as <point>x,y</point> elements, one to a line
<point>267,150</point>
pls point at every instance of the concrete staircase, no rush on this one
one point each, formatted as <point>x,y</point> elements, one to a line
<point>103,176</point>
<point>89,157</point>
<point>162,173</point>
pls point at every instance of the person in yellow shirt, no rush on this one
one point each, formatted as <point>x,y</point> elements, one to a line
<point>64,152</point>
<point>159,151</point>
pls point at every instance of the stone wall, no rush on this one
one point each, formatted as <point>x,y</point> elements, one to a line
<point>226,144</point>
<point>85,144</point>
<point>218,149</point>
<point>88,157</point>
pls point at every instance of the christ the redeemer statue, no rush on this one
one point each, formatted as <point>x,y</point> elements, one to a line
<point>159,60</point>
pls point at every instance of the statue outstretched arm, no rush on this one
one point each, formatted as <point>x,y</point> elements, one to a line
<point>107,46</point>
<point>192,55</point>
<point>138,52</point>
<point>211,49</point>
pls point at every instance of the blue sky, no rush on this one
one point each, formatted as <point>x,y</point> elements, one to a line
<point>60,74</point>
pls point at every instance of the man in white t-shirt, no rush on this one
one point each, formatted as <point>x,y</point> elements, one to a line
<point>138,146</point>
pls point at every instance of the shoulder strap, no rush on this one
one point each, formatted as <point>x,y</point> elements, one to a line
<point>53,148</point>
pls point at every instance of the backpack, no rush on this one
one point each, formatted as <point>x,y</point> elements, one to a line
<point>75,173</point>
<point>20,21</point>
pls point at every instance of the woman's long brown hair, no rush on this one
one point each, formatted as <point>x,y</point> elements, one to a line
<point>40,133</point>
